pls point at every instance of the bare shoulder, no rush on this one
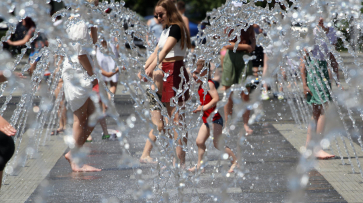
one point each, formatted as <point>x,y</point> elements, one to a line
<point>211,85</point>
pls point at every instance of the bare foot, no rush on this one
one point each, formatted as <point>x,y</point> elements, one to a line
<point>147,160</point>
<point>248,130</point>
<point>233,166</point>
<point>56,132</point>
<point>89,139</point>
<point>84,168</point>
<point>194,169</point>
<point>321,154</point>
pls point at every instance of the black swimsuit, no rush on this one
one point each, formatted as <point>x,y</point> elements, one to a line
<point>7,148</point>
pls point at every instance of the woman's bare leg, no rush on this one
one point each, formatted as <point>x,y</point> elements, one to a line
<point>81,130</point>
<point>103,120</point>
<point>157,120</point>
<point>113,87</point>
<point>217,132</point>
<point>202,137</point>
<point>246,115</point>
<point>181,141</point>
<point>229,105</point>
<point>62,110</point>
<point>32,68</point>
<point>90,110</point>
<point>63,118</point>
<point>320,121</point>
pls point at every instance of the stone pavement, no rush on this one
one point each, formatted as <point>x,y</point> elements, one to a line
<point>271,154</point>
<point>348,184</point>
<point>269,159</point>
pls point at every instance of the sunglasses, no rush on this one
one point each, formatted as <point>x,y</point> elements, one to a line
<point>160,15</point>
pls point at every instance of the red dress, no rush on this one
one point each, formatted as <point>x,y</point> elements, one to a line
<point>174,80</point>
<point>205,100</point>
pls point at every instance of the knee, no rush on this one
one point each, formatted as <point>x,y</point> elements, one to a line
<point>160,126</point>
<point>215,143</point>
<point>199,142</point>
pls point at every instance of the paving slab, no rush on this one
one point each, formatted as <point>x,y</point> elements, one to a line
<point>265,173</point>
<point>338,175</point>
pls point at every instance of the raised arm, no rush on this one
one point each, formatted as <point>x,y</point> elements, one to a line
<point>109,74</point>
<point>240,47</point>
<point>24,40</point>
<point>83,60</point>
<point>94,34</point>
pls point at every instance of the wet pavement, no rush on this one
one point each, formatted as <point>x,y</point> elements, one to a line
<point>268,157</point>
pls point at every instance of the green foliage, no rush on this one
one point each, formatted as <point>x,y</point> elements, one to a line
<point>196,9</point>
<point>141,6</point>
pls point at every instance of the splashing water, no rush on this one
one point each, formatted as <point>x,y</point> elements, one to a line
<point>121,26</point>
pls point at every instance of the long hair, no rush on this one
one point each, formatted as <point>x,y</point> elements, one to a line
<point>29,23</point>
<point>174,18</point>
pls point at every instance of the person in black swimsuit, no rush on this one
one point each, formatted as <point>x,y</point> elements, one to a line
<point>7,146</point>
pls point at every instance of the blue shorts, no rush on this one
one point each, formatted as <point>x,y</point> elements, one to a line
<point>32,54</point>
<point>219,121</point>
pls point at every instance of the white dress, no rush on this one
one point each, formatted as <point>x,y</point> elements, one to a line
<point>107,64</point>
<point>76,82</point>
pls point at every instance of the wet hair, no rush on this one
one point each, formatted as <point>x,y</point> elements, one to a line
<point>29,23</point>
<point>180,5</point>
<point>174,18</point>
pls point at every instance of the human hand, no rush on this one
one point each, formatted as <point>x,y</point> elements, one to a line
<point>306,90</point>
<point>6,128</point>
<point>141,77</point>
<point>149,72</point>
<point>19,75</point>
<point>117,70</point>
<point>198,109</point>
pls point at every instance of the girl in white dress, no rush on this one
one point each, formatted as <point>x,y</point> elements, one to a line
<point>108,66</point>
<point>78,86</point>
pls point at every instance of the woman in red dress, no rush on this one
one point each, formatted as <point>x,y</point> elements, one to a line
<point>171,50</point>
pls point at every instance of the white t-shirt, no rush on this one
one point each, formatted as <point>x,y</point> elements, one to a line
<point>173,31</point>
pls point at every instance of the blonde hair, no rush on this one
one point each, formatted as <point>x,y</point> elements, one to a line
<point>174,18</point>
